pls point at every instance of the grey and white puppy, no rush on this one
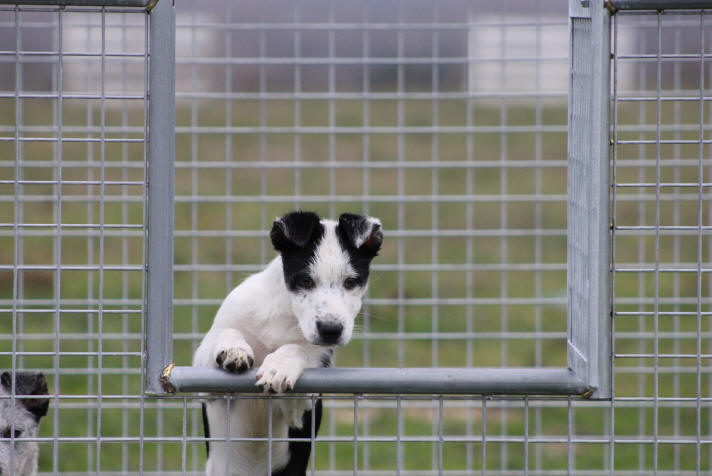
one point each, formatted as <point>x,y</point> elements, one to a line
<point>19,419</point>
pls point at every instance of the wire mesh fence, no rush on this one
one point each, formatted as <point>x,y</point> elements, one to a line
<point>448,121</point>
<point>661,236</point>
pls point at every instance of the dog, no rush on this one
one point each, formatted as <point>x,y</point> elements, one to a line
<point>20,419</point>
<point>283,320</point>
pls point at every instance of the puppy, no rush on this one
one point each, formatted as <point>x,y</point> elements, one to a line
<point>20,420</point>
<point>283,320</point>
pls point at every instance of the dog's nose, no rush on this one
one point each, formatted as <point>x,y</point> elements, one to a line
<point>329,331</point>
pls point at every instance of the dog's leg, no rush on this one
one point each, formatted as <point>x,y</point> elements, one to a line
<point>281,369</point>
<point>206,428</point>
<point>299,451</point>
<point>232,352</point>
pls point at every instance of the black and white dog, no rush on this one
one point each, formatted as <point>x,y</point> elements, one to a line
<point>20,419</point>
<point>283,320</point>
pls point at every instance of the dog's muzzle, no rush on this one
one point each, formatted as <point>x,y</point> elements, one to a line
<point>329,332</point>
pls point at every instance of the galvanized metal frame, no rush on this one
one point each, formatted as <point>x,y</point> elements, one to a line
<point>159,292</point>
<point>588,237</point>
<point>589,355</point>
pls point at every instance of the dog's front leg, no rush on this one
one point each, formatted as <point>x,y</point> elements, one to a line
<point>232,352</point>
<point>281,369</point>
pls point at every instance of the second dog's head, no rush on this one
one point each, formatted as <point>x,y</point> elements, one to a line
<point>326,266</point>
<point>19,419</point>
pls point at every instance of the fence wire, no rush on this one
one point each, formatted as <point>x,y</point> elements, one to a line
<point>661,259</point>
<point>447,120</point>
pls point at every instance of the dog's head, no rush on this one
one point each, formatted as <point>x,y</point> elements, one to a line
<point>326,266</point>
<point>20,419</point>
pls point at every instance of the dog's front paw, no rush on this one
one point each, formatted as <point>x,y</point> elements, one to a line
<point>235,359</point>
<point>277,374</point>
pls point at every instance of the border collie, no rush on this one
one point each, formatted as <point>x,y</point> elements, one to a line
<point>283,320</point>
<point>21,420</point>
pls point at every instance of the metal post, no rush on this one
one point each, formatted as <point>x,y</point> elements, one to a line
<point>161,174</point>
<point>588,237</point>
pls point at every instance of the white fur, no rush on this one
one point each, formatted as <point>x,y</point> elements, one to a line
<point>361,239</point>
<point>23,453</point>
<point>261,319</point>
<point>329,301</point>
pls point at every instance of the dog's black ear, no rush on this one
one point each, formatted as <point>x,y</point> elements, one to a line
<point>29,383</point>
<point>362,232</point>
<point>293,229</point>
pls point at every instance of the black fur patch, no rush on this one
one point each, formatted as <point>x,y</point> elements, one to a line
<point>29,383</point>
<point>326,358</point>
<point>348,230</point>
<point>206,429</point>
<point>299,451</point>
<point>296,236</point>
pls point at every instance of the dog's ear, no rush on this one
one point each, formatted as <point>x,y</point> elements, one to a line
<point>293,229</point>
<point>362,232</point>
<point>29,383</point>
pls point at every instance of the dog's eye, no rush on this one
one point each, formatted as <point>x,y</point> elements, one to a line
<point>7,432</point>
<point>350,283</point>
<point>304,282</point>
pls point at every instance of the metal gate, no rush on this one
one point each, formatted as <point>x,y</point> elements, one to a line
<point>447,120</point>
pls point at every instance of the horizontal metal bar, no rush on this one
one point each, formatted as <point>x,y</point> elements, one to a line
<point>413,233</point>
<point>519,381</point>
<point>359,60</point>
<point>195,24</point>
<point>503,301</point>
<point>503,129</point>
<point>444,472</point>
<point>662,313</point>
<point>253,268</point>
<point>386,164</point>
<point>81,226</point>
<point>662,356</point>
<point>654,185</point>
<point>371,95</point>
<point>550,301</point>
<point>71,267</point>
<point>80,3</point>
<point>15,56</point>
<point>422,472</point>
<point>290,164</point>
<point>73,354</point>
<point>555,439</point>
<point>527,198</point>
<point>71,139</point>
<point>654,269</point>
<point>72,182</point>
<point>660,4</point>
